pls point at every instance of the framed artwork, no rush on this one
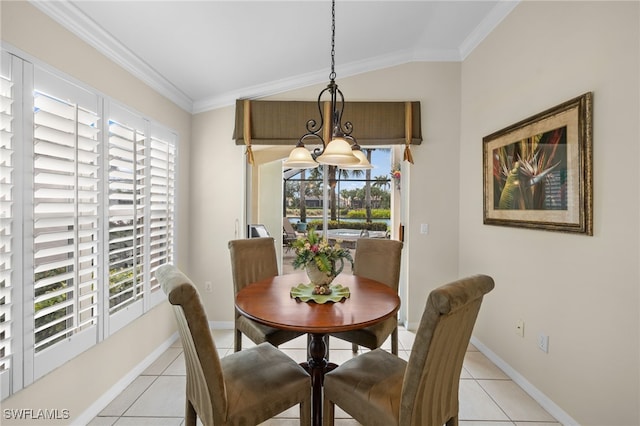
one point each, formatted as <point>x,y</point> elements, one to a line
<point>538,172</point>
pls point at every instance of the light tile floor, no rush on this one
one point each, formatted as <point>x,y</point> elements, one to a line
<point>487,396</point>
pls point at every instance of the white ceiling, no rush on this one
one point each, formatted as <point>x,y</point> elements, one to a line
<point>206,54</point>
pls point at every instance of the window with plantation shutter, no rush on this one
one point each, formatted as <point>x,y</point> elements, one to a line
<point>141,191</point>
<point>7,223</point>
<point>87,213</point>
<point>66,167</point>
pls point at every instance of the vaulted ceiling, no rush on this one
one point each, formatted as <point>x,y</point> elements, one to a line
<point>205,54</point>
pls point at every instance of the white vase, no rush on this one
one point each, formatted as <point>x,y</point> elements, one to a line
<point>318,277</point>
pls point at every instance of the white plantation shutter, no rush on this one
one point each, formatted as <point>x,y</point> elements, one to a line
<point>126,214</point>
<point>141,192</point>
<point>162,200</point>
<point>7,222</point>
<point>66,178</point>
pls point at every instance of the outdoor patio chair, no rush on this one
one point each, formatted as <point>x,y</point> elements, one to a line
<point>288,233</point>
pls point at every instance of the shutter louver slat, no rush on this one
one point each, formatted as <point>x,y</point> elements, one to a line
<point>54,179</point>
<point>64,110</point>
<point>125,155</point>
<point>68,249</point>
<point>5,141</point>
<point>54,165</point>
<point>46,119</point>
<point>47,282</point>
<point>53,222</point>
<point>65,263</point>
<point>5,120</point>
<point>54,150</point>
<point>53,236</point>
<point>48,134</point>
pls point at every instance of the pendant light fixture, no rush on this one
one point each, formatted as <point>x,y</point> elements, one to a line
<point>342,149</point>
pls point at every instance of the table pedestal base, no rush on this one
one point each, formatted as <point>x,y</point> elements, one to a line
<point>317,366</point>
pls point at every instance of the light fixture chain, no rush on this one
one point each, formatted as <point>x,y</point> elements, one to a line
<point>332,76</point>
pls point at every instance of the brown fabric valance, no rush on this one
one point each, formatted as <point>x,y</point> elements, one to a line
<point>284,122</point>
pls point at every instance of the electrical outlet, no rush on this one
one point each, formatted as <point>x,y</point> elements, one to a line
<point>208,287</point>
<point>543,342</point>
<point>520,328</point>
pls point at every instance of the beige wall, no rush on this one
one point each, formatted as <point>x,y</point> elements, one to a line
<point>216,214</point>
<point>81,382</point>
<point>581,291</point>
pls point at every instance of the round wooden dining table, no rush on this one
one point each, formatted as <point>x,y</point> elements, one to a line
<point>269,302</point>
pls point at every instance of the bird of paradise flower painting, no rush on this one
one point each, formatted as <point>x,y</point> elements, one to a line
<point>531,174</point>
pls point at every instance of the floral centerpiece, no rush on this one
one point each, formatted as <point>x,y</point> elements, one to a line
<point>322,261</point>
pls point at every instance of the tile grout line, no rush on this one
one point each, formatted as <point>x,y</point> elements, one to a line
<point>494,401</point>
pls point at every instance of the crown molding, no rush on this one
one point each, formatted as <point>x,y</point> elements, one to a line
<point>344,70</point>
<point>71,18</point>
<point>259,91</point>
<point>488,24</point>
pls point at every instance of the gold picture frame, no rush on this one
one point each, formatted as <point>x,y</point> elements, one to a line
<point>538,172</point>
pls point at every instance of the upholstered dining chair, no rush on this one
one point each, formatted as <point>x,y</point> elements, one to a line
<point>252,260</point>
<point>377,259</point>
<point>378,388</point>
<point>244,388</point>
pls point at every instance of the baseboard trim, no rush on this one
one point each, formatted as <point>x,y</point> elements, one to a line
<point>546,403</point>
<point>101,403</point>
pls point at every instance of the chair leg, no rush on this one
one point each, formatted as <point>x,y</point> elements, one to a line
<point>190,416</point>
<point>394,341</point>
<point>328,412</point>
<point>453,421</point>
<point>354,348</point>
<point>237,340</point>
<point>305,412</point>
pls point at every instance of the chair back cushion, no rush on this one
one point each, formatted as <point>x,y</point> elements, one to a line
<point>378,259</point>
<point>205,382</point>
<point>252,259</point>
<point>430,386</point>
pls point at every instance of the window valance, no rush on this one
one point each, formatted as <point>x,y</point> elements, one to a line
<point>283,122</point>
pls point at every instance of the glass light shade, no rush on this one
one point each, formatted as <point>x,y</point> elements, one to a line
<point>300,158</point>
<point>338,153</point>
<point>363,162</point>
